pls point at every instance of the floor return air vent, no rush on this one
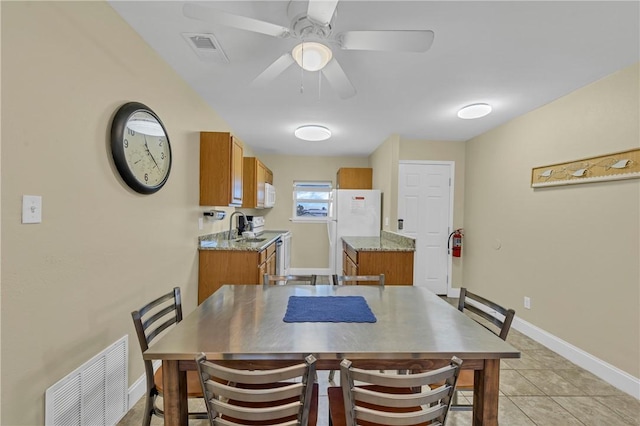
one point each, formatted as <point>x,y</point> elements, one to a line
<point>94,394</point>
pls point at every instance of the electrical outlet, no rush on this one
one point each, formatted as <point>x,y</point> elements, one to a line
<point>527,302</point>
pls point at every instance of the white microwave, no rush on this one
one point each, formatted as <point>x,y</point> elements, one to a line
<point>269,195</point>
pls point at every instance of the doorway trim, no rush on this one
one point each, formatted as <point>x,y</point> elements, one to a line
<point>452,165</point>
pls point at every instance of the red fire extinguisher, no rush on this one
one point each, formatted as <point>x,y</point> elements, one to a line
<point>455,239</point>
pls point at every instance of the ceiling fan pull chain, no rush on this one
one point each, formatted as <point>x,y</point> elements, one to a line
<point>319,84</point>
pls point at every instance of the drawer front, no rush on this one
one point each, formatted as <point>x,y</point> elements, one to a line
<point>351,253</point>
<point>271,250</point>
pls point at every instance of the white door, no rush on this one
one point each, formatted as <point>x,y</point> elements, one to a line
<point>424,205</point>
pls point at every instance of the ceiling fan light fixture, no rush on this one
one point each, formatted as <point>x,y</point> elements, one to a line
<point>311,56</point>
<point>313,133</point>
<point>474,111</point>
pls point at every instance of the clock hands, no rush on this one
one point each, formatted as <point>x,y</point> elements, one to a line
<point>149,152</point>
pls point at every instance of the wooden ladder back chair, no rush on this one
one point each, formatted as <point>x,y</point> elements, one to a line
<point>503,324</point>
<point>283,396</point>
<point>495,318</point>
<point>358,279</point>
<point>150,321</point>
<point>284,279</point>
<point>392,399</point>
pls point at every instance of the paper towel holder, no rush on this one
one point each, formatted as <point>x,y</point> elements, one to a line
<point>215,214</point>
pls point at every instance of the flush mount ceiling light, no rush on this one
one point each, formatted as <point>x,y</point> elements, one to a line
<point>474,111</point>
<point>312,133</point>
<point>311,56</point>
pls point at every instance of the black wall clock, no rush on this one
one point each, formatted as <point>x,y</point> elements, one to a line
<point>140,148</point>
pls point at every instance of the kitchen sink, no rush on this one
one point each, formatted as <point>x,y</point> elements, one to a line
<point>253,240</point>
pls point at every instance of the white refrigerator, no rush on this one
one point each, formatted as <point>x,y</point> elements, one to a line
<point>354,213</point>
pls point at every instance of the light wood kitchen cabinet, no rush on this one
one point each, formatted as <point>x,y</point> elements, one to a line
<point>267,261</point>
<point>354,178</point>
<point>221,169</point>
<point>397,266</point>
<point>255,175</point>
<point>219,267</point>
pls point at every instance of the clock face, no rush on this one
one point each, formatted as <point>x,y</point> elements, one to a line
<point>141,149</point>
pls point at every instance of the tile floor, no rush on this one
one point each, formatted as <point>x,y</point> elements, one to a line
<point>540,388</point>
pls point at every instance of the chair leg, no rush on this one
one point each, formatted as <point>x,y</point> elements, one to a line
<point>149,408</point>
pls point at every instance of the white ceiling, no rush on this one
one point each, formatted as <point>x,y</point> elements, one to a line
<point>515,55</point>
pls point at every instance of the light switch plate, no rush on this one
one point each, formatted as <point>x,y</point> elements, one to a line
<point>31,209</point>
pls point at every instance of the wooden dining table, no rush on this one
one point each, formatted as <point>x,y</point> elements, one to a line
<point>242,325</point>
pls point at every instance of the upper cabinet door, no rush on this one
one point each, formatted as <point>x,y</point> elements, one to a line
<point>256,174</point>
<point>354,178</point>
<point>236,172</point>
<point>220,169</point>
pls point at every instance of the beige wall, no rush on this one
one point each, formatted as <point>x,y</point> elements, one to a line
<point>572,249</point>
<point>384,161</point>
<point>310,242</point>
<point>70,283</point>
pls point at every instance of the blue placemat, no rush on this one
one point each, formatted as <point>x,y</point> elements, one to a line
<point>328,309</point>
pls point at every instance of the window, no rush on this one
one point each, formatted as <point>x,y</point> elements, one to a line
<point>311,201</point>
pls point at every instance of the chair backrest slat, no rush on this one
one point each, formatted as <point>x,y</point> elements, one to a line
<point>269,279</point>
<point>486,309</point>
<point>358,279</point>
<point>380,404</point>
<point>282,394</point>
<point>170,314</point>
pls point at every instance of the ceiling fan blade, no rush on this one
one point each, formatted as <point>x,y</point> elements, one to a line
<point>274,70</point>
<point>398,40</point>
<point>321,11</point>
<point>338,79</point>
<point>214,16</point>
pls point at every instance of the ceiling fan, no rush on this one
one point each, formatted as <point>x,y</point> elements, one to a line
<point>314,28</point>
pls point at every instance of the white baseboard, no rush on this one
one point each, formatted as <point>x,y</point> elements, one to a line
<point>607,372</point>
<point>139,387</point>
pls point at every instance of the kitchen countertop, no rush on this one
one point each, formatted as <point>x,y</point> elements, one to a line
<point>218,241</point>
<point>387,241</point>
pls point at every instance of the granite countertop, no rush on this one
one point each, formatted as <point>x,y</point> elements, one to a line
<point>218,241</point>
<point>387,241</point>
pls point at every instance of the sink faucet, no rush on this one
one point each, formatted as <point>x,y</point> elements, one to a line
<point>231,222</point>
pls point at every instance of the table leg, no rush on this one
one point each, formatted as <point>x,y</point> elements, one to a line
<point>485,394</point>
<point>176,410</point>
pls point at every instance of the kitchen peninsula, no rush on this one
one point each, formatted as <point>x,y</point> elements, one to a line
<point>234,261</point>
<point>390,254</point>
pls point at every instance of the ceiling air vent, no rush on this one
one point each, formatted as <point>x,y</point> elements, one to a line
<point>206,47</point>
